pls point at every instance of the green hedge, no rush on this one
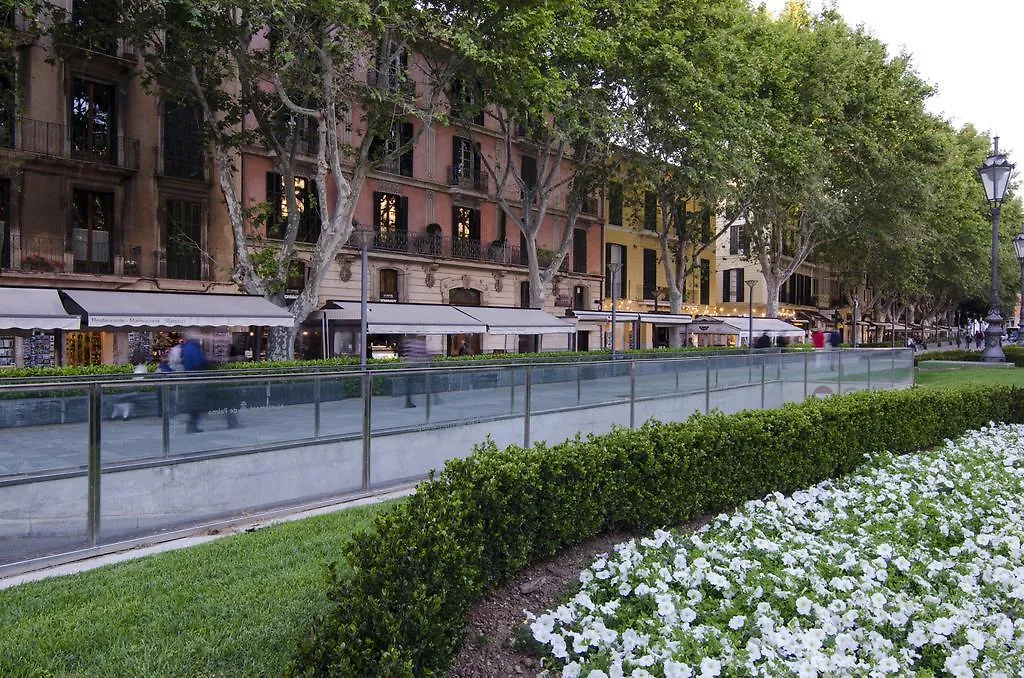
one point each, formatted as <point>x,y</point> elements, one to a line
<point>484,518</point>
<point>1013,353</point>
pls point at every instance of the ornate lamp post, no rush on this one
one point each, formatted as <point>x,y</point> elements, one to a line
<point>751,284</point>
<point>614,267</point>
<point>362,237</point>
<point>995,177</point>
<point>1018,245</point>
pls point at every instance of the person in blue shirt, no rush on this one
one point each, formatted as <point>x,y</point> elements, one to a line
<point>193,359</point>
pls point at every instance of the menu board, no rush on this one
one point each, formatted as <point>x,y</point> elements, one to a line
<point>39,351</point>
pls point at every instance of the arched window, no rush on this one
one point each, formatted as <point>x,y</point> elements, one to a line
<point>388,285</point>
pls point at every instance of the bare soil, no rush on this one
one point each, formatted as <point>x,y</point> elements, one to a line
<point>489,648</point>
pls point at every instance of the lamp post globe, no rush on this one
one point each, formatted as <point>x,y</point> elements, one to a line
<point>995,174</point>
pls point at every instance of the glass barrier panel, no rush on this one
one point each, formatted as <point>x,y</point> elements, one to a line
<point>44,483</point>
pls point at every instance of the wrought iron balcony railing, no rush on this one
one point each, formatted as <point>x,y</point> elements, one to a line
<point>60,141</point>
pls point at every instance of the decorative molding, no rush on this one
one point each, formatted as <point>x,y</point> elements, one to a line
<point>430,278</point>
<point>389,187</point>
<point>499,276</point>
<point>430,207</point>
<point>345,266</point>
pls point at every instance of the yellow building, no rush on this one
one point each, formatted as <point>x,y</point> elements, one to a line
<point>632,225</point>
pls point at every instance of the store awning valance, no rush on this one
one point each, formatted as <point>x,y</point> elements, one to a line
<point>517,320</point>
<point>30,308</point>
<point>773,326</point>
<point>384,318</point>
<point>710,326</point>
<point>666,318</point>
<point>604,316</point>
<point>114,308</point>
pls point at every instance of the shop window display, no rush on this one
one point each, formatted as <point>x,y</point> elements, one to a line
<point>84,348</point>
<point>40,351</point>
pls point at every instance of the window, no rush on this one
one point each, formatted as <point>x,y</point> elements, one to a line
<point>183,240</point>
<point>93,123</point>
<point>464,296</point>
<point>183,141</point>
<point>7,103</point>
<point>615,254</point>
<point>383,150</point>
<point>732,284</point>
<point>295,282</point>
<point>92,224</point>
<point>94,22</point>
<point>465,169</point>
<point>465,232</point>
<point>528,171</point>
<point>579,251</point>
<point>650,290</point>
<point>615,204</point>
<point>391,68</point>
<point>524,294</point>
<point>650,211</point>
<point>390,220</point>
<point>737,245</point>
<point>305,202</point>
<point>388,284</point>
<point>579,298</point>
<point>705,281</point>
<point>467,102</point>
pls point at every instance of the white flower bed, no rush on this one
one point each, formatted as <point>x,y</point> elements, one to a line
<point>913,566</point>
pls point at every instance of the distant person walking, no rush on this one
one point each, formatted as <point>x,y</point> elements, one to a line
<point>979,339</point>
<point>764,341</point>
<point>174,357</point>
<point>413,351</point>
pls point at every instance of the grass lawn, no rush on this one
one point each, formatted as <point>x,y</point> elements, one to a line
<point>934,378</point>
<point>235,606</point>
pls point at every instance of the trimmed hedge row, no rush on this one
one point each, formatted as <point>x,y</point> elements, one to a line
<point>484,518</point>
<point>1013,353</point>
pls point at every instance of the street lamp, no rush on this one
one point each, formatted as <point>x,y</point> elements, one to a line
<point>362,237</point>
<point>614,267</point>
<point>1018,244</point>
<point>751,284</point>
<point>995,177</point>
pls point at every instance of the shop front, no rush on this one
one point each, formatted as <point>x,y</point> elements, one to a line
<point>33,322</point>
<point>119,327</point>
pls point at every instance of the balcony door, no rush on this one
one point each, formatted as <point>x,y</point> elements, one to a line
<point>92,227</point>
<point>183,243</point>
<point>93,121</point>
<point>465,232</point>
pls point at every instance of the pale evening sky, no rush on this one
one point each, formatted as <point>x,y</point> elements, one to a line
<point>966,49</point>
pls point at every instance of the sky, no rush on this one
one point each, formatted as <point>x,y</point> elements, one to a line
<point>953,45</point>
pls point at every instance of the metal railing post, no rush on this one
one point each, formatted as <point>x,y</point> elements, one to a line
<point>807,360</point>
<point>526,406</point>
<point>165,418</point>
<point>869,371</point>
<point>632,393</point>
<point>892,374</point>
<point>707,385</point>
<point>512,392</point>
<point>839,388</point>
<point>93,508</point>
<point>764,360</point>
<point>316,407</point>
<point>579,382</point>
<point>675,363</point>
<point>367,382</point>
<point>426,387</point>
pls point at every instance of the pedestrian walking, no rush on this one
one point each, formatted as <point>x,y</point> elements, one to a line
<point>979,339</point>
<point>193,359</point>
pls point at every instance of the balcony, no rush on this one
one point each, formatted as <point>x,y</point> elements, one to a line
<point>470,180</point>
<point>55,141</point>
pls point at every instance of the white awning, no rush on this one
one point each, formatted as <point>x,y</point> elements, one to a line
<point>710,326</point>
<point>114,308</point>
<point>384,318</point>
<point>517,320</point>
<point>31,308</point>
<point>604,316</point>
<point>773,326</point>
<point>666,318</point>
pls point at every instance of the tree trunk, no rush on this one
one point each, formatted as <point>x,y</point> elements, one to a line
<point>282,339</point>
